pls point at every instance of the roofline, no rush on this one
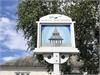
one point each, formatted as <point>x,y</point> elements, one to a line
<point>21,67</point>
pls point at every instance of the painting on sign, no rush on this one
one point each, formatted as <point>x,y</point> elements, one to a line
<point>55,35</point>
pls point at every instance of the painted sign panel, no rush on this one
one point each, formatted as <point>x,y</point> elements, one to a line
<point>55,35</point>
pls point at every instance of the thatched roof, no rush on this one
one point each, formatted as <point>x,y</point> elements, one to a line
<point>28,61</point>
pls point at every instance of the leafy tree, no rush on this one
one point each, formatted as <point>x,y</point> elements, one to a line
<point>84,13</point>
<point>29,11</point>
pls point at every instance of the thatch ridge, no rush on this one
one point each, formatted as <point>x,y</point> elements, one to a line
<point>28,61</point>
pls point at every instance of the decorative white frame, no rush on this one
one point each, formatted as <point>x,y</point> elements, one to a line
<point>60,23</point>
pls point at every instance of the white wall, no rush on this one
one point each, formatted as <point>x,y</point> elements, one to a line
<point>31,71</point>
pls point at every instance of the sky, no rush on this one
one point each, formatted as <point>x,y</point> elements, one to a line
<point>63,30</point>
<point>12,43</point>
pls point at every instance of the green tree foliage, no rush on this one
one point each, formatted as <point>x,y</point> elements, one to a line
<point>29,11</point>
<point>84,13</point>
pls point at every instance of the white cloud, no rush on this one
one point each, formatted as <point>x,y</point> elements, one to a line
<point>16,41</point>
<point>6,21</point>
<point>12,39</point>
<point>9,58</point>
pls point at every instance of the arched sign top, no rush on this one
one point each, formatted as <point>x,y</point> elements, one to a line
<point>55,18</point>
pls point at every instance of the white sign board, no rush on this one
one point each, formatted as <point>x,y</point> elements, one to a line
<point>56,31</point>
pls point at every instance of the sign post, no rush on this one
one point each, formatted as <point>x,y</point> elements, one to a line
<point>56,39</point>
